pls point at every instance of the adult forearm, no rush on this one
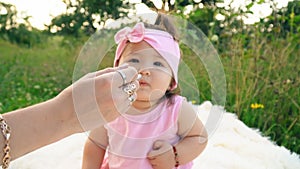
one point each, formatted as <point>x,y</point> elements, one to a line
<point>39,125</point>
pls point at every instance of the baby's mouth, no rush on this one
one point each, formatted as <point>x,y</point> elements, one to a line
<point>143,83</point>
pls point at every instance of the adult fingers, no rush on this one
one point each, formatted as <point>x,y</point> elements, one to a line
<point>123,86</point>
<point>100,99</point>
<point>125,76</point>
<point>110,69</point>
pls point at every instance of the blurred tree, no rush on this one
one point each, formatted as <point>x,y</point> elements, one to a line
<point>84,16</point>
<point>8,17</point>
<point>215,19</point>
<point>286,21</point>
<point>13,31</point>
<point>177,6</point>
<point>202,13</point>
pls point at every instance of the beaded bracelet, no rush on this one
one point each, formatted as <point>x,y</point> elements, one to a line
<point>6,133</point>
<point>176,156</point>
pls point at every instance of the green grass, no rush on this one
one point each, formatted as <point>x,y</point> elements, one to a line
<point>263,71</point>
<point>31,75</point>
<point>259,71</point>
<point>266,72</point>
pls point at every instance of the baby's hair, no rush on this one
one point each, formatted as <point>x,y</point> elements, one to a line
<point>165,23</point>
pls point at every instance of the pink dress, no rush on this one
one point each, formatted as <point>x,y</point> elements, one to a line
<point>131,137</point>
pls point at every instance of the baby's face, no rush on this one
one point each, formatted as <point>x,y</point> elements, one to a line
<point>156,72</point>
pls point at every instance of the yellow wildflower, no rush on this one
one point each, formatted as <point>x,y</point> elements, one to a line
<point>257,106</point>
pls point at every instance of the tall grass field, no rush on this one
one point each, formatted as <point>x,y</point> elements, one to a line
<point>263,79</point>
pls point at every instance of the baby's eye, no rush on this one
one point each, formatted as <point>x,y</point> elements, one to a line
<point>158,64</point>
<point>133,60</point>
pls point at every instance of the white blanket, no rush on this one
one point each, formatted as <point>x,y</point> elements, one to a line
<point>232,145</point>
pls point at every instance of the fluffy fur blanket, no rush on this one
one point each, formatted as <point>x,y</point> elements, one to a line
<point>233,145</point>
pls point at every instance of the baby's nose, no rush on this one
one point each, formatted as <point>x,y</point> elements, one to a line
<point>145,72</point>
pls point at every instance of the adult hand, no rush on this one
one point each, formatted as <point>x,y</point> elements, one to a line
<point>91,101</point>
<point>98,97</point>
<point>162,156</point>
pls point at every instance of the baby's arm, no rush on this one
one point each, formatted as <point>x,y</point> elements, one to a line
<point>192,132</point>
<point>193,142</point>
<point>94,149</point>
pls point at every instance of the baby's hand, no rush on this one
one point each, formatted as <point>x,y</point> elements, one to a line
<point>162,156</point>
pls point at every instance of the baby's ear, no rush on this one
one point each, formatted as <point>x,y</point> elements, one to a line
<point>172,84</point>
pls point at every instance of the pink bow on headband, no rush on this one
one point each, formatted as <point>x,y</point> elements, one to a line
<point>136,34</point>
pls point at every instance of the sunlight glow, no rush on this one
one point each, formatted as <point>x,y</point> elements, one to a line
<point>42,11</point>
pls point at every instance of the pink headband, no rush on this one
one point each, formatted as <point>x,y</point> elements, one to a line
<point>161,41</point>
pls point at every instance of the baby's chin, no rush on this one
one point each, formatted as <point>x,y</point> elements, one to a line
<point>145,103</point>
<point>155,95</point>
